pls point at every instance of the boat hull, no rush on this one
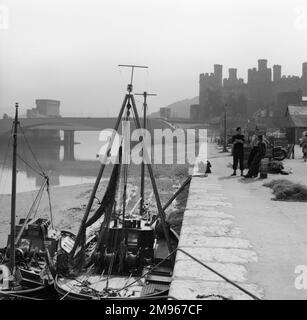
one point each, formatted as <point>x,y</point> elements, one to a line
<point>38,293</point>
<point>66,295</point>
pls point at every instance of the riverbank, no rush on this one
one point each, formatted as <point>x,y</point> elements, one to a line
<point>233,225</point>
<point>69,203</point>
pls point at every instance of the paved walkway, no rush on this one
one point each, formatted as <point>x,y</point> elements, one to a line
<point>232,224</point>
<point>210,234</point>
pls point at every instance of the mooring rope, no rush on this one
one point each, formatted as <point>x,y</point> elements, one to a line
<point>200,262</point>
<point>220,275</point>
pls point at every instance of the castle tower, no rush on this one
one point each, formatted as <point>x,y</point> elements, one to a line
<point>232,73</point>
<point>304,71</point>
<point>218,73</point>
<point>276,72</point>
<point>262,65</point>
<point>249,75</point>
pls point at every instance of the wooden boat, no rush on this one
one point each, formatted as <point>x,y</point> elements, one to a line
<point>26,262</point>
<point>128,255</point>
<point>141,268</point>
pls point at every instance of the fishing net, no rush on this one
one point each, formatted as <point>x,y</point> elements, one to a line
<point>105,208</point>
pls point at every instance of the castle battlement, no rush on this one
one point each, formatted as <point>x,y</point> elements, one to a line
<point>261,89</point>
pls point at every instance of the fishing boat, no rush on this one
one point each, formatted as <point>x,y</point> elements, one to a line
<point>26,261</point>
<point>119,254</point>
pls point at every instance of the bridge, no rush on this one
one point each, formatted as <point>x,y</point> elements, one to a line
<point>72,124</point>
<point>69,125</point>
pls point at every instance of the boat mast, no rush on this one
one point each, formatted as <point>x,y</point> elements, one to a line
<point>128,107</point>
<point>13,198</point>
<point>130,98</point>
<point>144,94</point>
<point>81,231</point>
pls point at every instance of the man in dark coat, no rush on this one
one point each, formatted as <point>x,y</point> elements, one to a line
<point>255,165</point>
<point>254,147</point>
<point>237,151</point>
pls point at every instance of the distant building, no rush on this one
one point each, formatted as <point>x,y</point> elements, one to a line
<point>233,84</point>
<point>264,89</point>
<point>210,86</point>
<point>284,99</point>
<point>297,122</point>
<point>45,108</point>
<point>165,113</point>
<point>195,112</point>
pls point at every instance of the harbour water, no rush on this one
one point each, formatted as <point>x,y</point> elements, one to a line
<point>50,155</point>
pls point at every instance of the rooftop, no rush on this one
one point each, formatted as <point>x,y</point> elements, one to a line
<point>297,116</point>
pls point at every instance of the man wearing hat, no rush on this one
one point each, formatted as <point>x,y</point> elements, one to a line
<point>237,151</point>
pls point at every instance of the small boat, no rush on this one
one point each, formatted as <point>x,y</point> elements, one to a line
<point>138,269</point>
<point>26,263</point>
<point>118,254</point>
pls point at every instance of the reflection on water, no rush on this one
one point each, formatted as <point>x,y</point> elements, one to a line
<point>50,154</point>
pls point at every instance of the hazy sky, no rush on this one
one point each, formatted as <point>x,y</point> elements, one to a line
<point>69,49</point>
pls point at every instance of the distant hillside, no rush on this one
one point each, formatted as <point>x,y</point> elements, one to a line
<point>179,109</point>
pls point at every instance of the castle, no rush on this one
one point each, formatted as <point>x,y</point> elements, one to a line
<point>264,92</point>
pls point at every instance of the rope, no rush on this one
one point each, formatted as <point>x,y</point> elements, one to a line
<point>134,119</point>
<point>35,213</point>
<point>146,273</point>
<point>115,252</point>
<point>6,153</point>
<point>153,298</point>
<point>49,201</point>
<point>220,275</point>
<point>24,156</point>
<point>28,164</point>
<point>41,173</point>
<point>33,155</point>
<point>203,264</point>
<point>110,268</point>
<point>34,204</point>
<point>202,296</point>
<point>66,294</point>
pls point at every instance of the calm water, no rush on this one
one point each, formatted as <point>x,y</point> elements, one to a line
<point>50,156</point>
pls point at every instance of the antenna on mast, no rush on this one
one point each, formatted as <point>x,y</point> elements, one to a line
<point>145,95</point>
<point>127,104</point>
<point>132,66</point>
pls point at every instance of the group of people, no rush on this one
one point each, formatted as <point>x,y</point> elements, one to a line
<point>303,144</point>
<point>257,153</point>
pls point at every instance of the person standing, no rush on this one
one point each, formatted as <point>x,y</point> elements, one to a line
<point>254,147</point>
<point>304,146</point>
<point>237,151</point>
<point>255,165</point>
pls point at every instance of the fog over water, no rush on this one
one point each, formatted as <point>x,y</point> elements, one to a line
<point>69,49</point>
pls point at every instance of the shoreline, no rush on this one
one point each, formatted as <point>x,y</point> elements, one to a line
<point>69,202</point>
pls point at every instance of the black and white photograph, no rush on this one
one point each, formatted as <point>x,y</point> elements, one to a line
<point>153,154</point>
